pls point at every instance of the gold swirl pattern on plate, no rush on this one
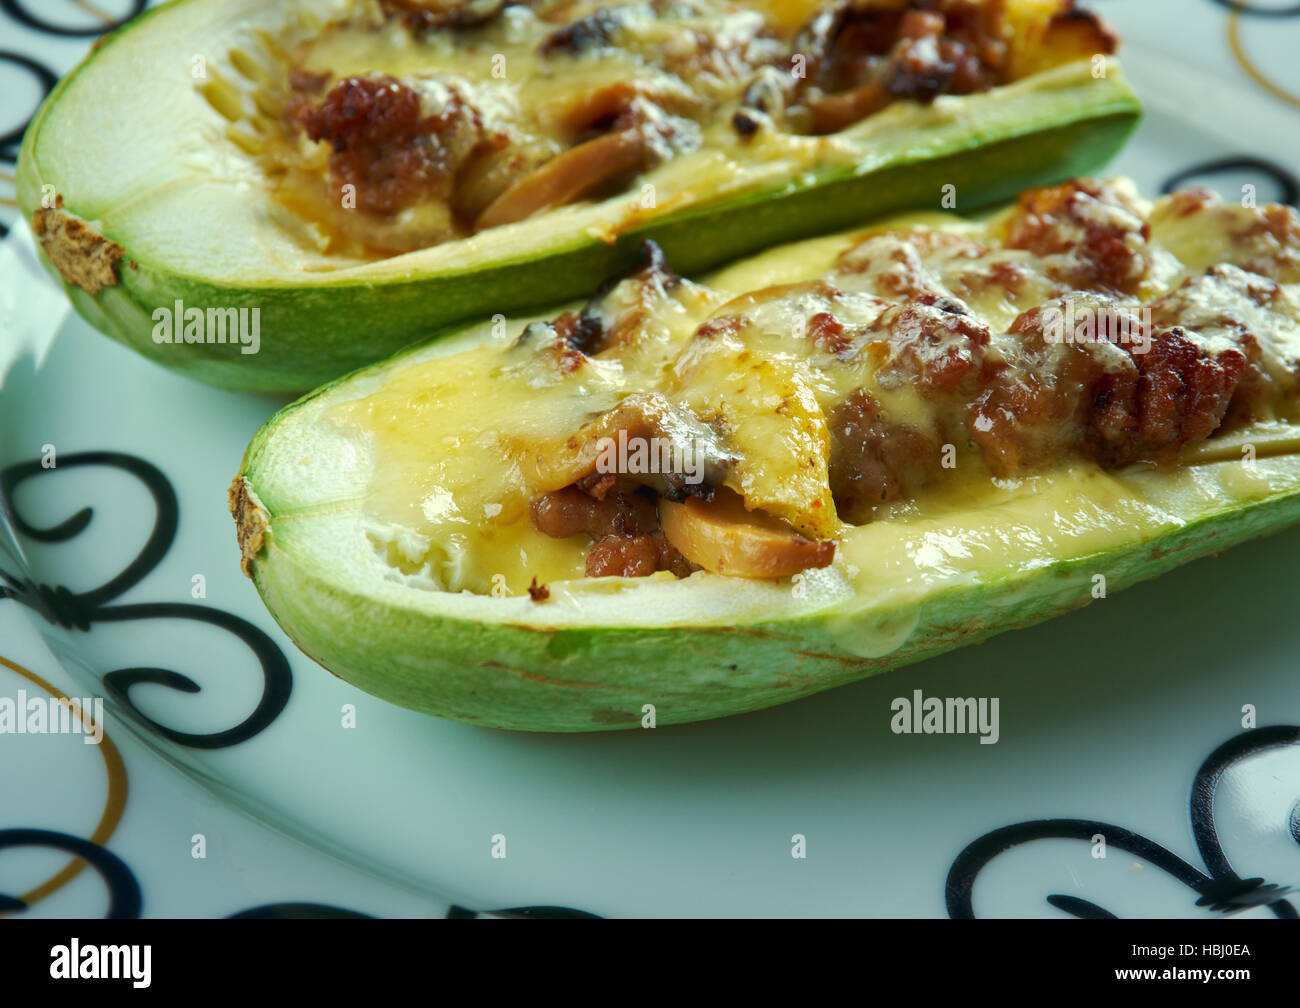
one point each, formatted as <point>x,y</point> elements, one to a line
<point>114,802</point>
<point>1248,64</point>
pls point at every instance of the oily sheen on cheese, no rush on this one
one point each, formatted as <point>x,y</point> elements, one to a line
<point>397,126</point>
<point>926,319</point>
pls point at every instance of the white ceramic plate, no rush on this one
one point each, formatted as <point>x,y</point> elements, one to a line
<point>1124,719</point>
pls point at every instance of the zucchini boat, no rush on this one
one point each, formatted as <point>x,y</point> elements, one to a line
<point>829,460</point>
<point>268,195</point>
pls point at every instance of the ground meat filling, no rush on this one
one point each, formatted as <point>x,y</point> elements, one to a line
<point>1141,385</point>
<point>934,342</point>
<point>1219,305</point>
<point>507,160</point>
<point>862,58</point>
<point>1117,402</point>
<point>623,520</point>
<point>1093,231</point>
<point>873,461</point>
<point>1181,397</point>
<point>386,147</point>
<point>1033,407</point>
<point>907,374</point>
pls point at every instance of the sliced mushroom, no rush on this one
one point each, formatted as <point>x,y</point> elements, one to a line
<point>591,106</point>
<point>600,105</point>
<point>492,170</point>
<point>833,112</point>
<point>646,423</point>
<point>564,178</point>
<point>724,538</point>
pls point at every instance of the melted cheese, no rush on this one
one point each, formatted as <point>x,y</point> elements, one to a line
<point>690,61</point>
<point>455,435</point>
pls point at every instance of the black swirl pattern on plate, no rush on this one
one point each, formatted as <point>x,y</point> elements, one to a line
<point>1081,908</point>
<point>1222,889</point>
<point>46,78</point>
<point>524,913</point>
<point>78,610</point>
<point>1287,183</point>
<point>1249,9</point>
<point>124,899</point>
<point>19,12</point>
<point>298,911</point>
<point>321,911</point>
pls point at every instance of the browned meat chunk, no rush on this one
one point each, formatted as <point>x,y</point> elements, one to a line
<point>1034,407</point>
<point>873,461</point>
<point>625,511</point>
<point>934,341</point>
<point>1095,227</point>
<point>864,57</point>
<point>1220,305</point>
<point>625,556</point>
<point>1143,398</point>
<point>384,144</point>
<point>623,521</point>
<point>1180,399</point>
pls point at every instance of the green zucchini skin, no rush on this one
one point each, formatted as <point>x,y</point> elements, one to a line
<point>598,679</point>
<point>314,331</point>
<point>521,674</point>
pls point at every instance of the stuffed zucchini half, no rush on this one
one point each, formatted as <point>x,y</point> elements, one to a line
<point>829,460</point>
<point>268,195</point>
